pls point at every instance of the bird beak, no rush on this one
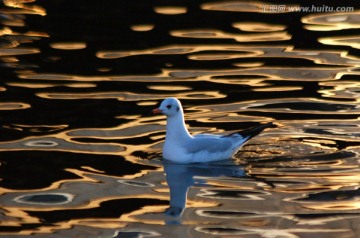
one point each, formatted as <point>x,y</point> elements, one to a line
<point>156,111</point>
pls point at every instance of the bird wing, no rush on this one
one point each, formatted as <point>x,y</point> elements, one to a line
<point>208,143</point>
<point>219,144</point>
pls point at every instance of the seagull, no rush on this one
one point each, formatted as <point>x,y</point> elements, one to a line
<point>182,147</point>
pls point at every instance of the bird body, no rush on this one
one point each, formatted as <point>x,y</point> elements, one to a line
<point>181,147</point>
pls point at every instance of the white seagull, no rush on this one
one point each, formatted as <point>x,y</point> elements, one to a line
<point>181,147</point>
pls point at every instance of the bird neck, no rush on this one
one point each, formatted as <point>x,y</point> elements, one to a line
<point>176,129</point>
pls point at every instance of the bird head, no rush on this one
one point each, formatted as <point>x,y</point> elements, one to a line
<point>169,107</point>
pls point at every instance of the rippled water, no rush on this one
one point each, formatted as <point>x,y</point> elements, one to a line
<point>81,154</point>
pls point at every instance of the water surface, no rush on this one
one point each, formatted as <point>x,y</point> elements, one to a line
<point>80,153</point>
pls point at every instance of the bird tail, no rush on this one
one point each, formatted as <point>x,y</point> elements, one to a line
<point>247,134</point>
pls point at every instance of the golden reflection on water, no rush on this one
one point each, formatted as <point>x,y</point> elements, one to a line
<point>332,21</point>
<point>169,88</point>
<point>125,96</point>
<point>37,128</point>
<point>145,27</point>
<point>68,45</point>
<point>88,184</point>
<point>60,142</point>
<point>14,106</point>
<point>216,34</point>
<point>49,85</point>
<point>335,206</point>
<point>18,51</point>
<point>344,89</point>
<point>280,89</point>
<point>284,169</point>
<point>353,41</point>
<point>6,31</point>
<point>23,8</point>
<point>258,26</point>
<point>241,51</point>
<point>170,10</point>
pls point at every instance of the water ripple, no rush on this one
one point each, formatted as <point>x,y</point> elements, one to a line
<point>80,152</point>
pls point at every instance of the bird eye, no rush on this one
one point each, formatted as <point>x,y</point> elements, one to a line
<point>168,106</point>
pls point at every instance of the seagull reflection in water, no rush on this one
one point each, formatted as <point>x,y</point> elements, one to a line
<point>180,177</point>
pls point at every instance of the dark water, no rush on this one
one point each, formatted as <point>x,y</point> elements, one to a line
<point>81,154</point>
